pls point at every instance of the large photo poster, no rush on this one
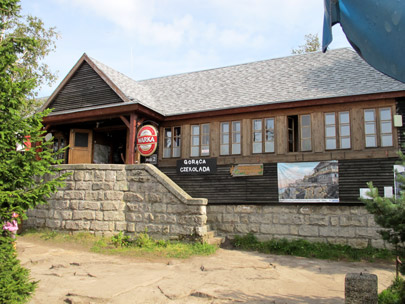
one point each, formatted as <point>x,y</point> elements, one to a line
<point>308,182</point>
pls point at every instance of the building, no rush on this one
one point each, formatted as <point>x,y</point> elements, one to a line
<point>311,108</point>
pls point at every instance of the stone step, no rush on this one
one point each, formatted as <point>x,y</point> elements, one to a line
<point>217,241</point>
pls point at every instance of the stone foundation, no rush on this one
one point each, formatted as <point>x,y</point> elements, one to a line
<point>347,225</point>
<point>106,199</point>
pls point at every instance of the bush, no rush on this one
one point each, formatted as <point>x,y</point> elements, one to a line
<point>395,294</point>
<point>15,284</point>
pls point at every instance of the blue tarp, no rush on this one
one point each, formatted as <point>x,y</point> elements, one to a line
<point>374,28</point>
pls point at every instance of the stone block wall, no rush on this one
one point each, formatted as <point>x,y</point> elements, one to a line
<point>106,199</point>
<point>348,225</point>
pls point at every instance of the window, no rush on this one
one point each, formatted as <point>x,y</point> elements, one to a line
<point>200,140</point>
<point>172,142</point>
<point>299,136</point>
<point>234,145</point>
<point>371,127</point>
<point>263,135</point>
<point>337,130</point>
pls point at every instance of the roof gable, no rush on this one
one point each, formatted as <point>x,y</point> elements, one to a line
<point>85,88</point>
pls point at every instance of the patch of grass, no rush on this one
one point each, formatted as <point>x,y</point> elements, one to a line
<point>308,249</point>
<point>138,245</point>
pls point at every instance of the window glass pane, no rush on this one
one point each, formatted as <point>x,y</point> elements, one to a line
<point>306,133</point>
<point>194,151</point>
<point>330,143</point>
<point>270,123</point>
<point>269,146</point>
<point>386,140</point>
<point>195,130</point>
<point>176,151</point>
<point>225,139</point>
<point>205,140</point>
<point>81,139</point>
<point>345,143</point>
<point>305,120</point>
<point>257,137</point>
<point>257,124</point>
<point>370,128</point>
<point>177,131</point>
<point>257,147</point>
<point>344,117</point>
<point>166,152</point>
<point>205,150</point>
<point>224,150</point>
<point>168,143</point>
<point>371,141</point>
<point>344,131</point>
<point>385,114</point>
<point>225,127</point>
<point>168,132</point>
<point>195,141</point>
<point>236,126</point>
<point>236,138</point>
<point>177,142</point>
<point>306,145</point>
<point>330,118</point>
<point>330,131</point>
<point>386,127</point>
<point>369,115</point>
<point>269,136</point>
<point>235,148</point>
<point>206,129</point>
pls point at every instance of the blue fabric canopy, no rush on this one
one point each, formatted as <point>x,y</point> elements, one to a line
<point>374,28</point>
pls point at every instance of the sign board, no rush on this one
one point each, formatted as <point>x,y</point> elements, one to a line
<point>247,170</point>
<point>151,159</point>
<point>308,182</point>
<point>197,166</point>
<point>146,140</point>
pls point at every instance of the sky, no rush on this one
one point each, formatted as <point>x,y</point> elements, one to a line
<point>145,39</point>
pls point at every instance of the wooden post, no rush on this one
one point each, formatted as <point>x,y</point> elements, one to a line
<point>132,135</point>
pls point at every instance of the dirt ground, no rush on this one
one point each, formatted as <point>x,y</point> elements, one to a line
<point>70,275</point>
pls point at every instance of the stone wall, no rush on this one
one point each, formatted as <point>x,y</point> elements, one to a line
<point>106,199</point>
<point>351,225</point>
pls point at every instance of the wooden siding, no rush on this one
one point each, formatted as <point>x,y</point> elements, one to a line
<point>401,130</point>
<point>85,89</point>
<point>222,188</point>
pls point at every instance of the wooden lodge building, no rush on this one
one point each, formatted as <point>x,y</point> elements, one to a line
<point>251,117</point>
<point>279,147</point>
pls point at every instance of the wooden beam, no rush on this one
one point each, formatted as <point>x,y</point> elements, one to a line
<point>126,122</point>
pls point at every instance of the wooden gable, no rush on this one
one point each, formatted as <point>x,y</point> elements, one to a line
<point>85,88</point>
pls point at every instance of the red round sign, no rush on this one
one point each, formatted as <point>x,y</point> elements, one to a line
<point>146,141</point>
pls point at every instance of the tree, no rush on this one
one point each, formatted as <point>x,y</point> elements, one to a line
<point>389,213</point>
<point>312,44</point>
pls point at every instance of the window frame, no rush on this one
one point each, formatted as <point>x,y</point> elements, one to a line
<point>173,142</point>
<point>263,135</point>
<point>230,135</point>
<point>201,137</point>
<point>338,126</point>
<point>378,127</point>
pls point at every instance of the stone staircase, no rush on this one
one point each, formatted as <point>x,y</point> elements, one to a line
<point>212,238</point>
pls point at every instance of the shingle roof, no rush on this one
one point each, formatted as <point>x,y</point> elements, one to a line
<point>309,76</point>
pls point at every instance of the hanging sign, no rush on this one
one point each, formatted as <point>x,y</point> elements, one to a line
<point>247,170</point>
<point>146,140</point>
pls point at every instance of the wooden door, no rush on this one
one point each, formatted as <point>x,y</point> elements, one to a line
<point>81,146</point>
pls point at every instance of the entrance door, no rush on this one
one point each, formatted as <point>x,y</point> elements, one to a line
<point>80,151</point>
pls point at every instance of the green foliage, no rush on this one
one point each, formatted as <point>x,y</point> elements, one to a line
<point>389,213</point>
<point>27,177</point>
<point>120,240</point>
<point>307,249</point>
<point>15,285</point>
<point>395,294</point>
<point>312,44</point>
